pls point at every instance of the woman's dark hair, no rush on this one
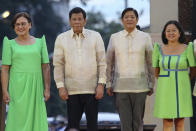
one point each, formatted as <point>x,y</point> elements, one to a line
<point>138,27</point>
<point>18,15</point>
<point>181,39</point>
<point>77,10</point>
<point>129,9</point>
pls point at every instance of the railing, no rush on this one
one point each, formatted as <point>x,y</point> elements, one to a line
<point>2,109</point>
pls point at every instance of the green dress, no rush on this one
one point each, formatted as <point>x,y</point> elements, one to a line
<point>173,94</point>
<point>27,111</point>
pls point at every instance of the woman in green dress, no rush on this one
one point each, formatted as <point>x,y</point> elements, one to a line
<point>24,63</point>
<point>173,101</point>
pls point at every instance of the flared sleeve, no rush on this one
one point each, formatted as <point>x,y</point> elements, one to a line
<point>155,55</point>
<point>7,52</point>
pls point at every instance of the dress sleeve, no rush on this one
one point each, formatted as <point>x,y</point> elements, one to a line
<point>148,58</point>
<point>155,55</point>
<point>190,55</point>
<point>7,52</point>
<point>44,52</point>
<point>59,62</point>
<point>101,59</point>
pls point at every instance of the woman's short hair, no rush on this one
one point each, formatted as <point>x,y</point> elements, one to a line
<point>181,39</point>
<point>129,9</point>
<point>18,15</point>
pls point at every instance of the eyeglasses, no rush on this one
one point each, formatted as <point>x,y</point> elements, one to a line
<point>23,24</point>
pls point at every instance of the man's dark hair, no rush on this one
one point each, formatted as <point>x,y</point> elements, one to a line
<point>181,39</point>
<point>77,10</point>
<point>129,9</point>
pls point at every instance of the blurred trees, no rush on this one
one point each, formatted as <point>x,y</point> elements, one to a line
<point>44,19</point>
<point>96,21</point>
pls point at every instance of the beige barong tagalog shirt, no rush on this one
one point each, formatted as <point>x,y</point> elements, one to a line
<point>79,61</point>
<point>129,62</point>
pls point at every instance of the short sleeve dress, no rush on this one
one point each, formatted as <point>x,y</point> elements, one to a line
<point>173,94</point>
<point>27,111</point>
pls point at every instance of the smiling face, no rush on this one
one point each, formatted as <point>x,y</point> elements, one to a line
<point>129,21</point>
<point>77,22</point>
<point>172,33</point>
<point>22,26</point>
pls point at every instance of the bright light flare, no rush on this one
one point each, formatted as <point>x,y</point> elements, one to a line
<point>5,14</point>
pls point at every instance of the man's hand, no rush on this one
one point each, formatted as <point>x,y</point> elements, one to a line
<point>46,94</point>
<point>6,97</point>
<point>110,91</point>
<point>99,92</point>
<point>150,92</point>
<point>63,93</point>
